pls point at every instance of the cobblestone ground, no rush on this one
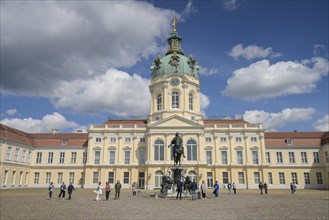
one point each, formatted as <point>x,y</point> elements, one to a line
<point>246,204</point>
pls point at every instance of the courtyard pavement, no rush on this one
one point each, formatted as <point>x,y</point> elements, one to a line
<point>246,204</point>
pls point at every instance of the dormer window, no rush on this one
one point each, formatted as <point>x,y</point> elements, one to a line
<point>64,141</point>
<point>288,141</point>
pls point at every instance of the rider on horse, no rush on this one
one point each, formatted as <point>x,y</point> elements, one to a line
<point>178,149</point>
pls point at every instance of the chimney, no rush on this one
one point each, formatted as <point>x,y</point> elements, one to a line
<point>54,131</point>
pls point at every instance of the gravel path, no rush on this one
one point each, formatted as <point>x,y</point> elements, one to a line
<point>247,204</point>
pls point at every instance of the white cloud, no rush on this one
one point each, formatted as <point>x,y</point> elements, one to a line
<point>69,40</point>
<point>319,49</point>
<point>189,9</point>
<point>263,80</point>
<point>114,92</point>
<point>230,5</point>
<point>271,121</point>
<point>251,52</point>
<point>322,124</point>
<point>206,71</point>
<point>11,111</point>
<point>45,125</point>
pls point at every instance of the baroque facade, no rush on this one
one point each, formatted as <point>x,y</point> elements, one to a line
<point>226,150</point>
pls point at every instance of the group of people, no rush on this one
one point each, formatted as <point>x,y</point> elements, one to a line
<point>117,188</point>
<point>62,188</point>
<point>262,187</point>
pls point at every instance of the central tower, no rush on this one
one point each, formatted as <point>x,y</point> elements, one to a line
<point>174,86</point>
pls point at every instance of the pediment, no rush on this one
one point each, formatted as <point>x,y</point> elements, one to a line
<point>175,121</point>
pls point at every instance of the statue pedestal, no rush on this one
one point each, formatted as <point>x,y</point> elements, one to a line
<point>177,173</point>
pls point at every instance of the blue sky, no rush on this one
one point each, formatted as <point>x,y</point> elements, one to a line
<point>69,64</point>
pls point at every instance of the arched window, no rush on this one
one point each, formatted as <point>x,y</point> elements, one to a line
<point>191,150</point>
<point>192,176</point>
<point>175,100</point>
<point>158,179</point>
<point>159,150</point>
<point>190,101</point>
<point>159,102</point>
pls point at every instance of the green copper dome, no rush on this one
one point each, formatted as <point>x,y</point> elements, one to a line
<point>174,61</point>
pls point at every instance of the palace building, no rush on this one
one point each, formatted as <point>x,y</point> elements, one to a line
<point>136,150</point>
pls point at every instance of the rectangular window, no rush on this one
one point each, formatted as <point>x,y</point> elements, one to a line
<point>48,177</point>
<point>71,177</point>
<point>142,140</point>
<point>5,177</point>
<point>282,178</point>
<point>225,178</point>
<point>127,157</point>
<point>127,140</point>
<point>316,157</point>
<point>270,178</point>
<point>39,157</point>
<point>82,178</point>
<point>294,178</point>
<point>111,177</point>
<point>98,139</point>
<point>29,156</point>
<point>241,177</point>
<point>268,157</point>
<point>208,139</point>
<point>141,156</point>
<point>238,139</point>
<point>327,156</point>
<point>16,154</point>
<point>256,177</point>
<point>84,157</point>
<point>224,157</point>
<point>8,155</point>
<point>279,157</point>
<point>319,177</point>
<point>97,157</point>
<point>253,139</point>
<point>64,141</point>
<point>190,102</point>
<point>307,178</point>
<point>126,177</point>
<point>36,177</point>
<point>291,157</point>
<point>13,177</point>
<point>239,157</point>
<point>61,157</point>
<point>73,157</point>
<point>95,177</point>
<point>209,180</point>
<point>209,157</point>
<point>304,157</point>
<point>20,177</point>
<point>111,156</point>
<point>113,140</point>
<point>24,156</point>
<point>50,157</point>
<point>59,178</point>
<point>255,157</point>
<point>223,139</point>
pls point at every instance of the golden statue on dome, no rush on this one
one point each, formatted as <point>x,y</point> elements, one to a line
<point>174,23</point>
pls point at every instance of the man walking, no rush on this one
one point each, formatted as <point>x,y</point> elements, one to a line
<point>62,189</point>
<point>70,189</point>
<point>261,187</point>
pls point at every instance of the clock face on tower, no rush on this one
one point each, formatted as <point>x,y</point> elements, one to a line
<point>175,81</point>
